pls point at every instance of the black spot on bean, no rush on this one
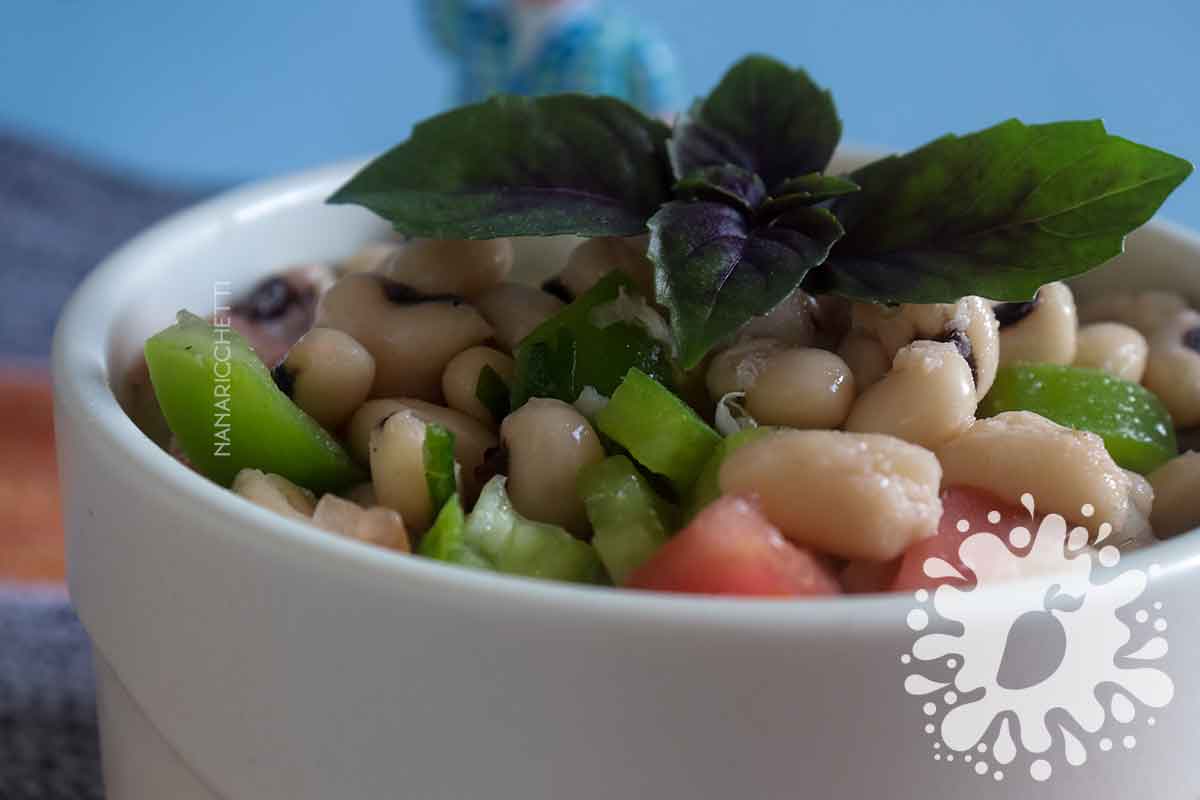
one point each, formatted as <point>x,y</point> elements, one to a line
<point>962,343</point>
<point>1012,313</point>
<point>404,295</point>
<point>1191,339</point>
<point>557,288</point>
<point>270,299</point>
<point>495,462</point>
<point>284,378</point>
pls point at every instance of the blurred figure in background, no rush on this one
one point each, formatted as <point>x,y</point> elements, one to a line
<point>535,47</point>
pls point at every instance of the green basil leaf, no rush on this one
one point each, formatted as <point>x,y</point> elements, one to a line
<point>723,184</point>
<point>715,272</point>
<point>763,116</point>
<point>492,391</point>
<point>516,166</point>
<point>996,213</point>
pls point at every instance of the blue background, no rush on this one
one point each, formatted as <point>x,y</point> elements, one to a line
<point>226,90</point>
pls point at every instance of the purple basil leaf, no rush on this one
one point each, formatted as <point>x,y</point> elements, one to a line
<point>714,272</point>
<point>763,116</point>
<point>515,166</point>
<point>723,184</point>
<point>694,146</point>
<point>996,213</point>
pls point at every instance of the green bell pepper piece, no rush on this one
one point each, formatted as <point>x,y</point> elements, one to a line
<point>438,453</point>
<point>495,537</point>
<point>658,429</point>
<point>227,414</point>
<point>1134,424</point>
<point>568,352</point>
<point>630,521</point>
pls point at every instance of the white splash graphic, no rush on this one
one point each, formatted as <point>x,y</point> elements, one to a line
<point>991,701</point>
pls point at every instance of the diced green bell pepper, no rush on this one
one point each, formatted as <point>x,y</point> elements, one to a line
<point>495,537</point>
<point>227,414</point>
<point>629,520</point>
<point>1135,426</point>
<point>438,452</point>
<point>568,352</point>
<point>659,430</point>
<point>708,485</point>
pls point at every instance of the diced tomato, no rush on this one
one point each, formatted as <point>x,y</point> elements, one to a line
<point>907,573</point>
<point>730,548</point>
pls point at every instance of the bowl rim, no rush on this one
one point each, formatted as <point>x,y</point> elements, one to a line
<point>81,371</point>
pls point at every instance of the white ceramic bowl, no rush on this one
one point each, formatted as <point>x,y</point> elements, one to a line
<point>247,657</point>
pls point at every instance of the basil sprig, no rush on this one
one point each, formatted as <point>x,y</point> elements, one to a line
<point>741,212</point>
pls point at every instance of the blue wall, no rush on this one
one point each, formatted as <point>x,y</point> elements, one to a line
<point>231,89</point>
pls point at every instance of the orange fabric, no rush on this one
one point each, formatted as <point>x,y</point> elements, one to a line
<point>31,533</point>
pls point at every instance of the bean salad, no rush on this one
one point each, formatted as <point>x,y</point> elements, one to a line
<point>413,397</point>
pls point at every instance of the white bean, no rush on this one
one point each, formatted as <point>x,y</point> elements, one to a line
<point>852,495</point>
<point>514,310</point>
<point>398,468</point>
<point>472,440</point>
<point>411,337</point>
<point>595,258</point>
<point>456,267</point>
<point>1145,311</point>
<point>736,368</point>
<point>461,380</point>
<point>792,322</point>
<point>1173,367</point>
<point>928,398</point>
<point>802,388</point>
<point>866,358</point>
<point>1040,331</point>
<point>1020,452</point>
<point>1176,495</point>
<point>548,442</point>
<point>328,374</point>
<point>1113,347</point>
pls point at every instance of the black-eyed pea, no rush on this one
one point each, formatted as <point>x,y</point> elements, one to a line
<point>1020,452</point>
<point>328,374</point>
<point>927,398</point>
<point>411,336</point>
<point>275,493</point>
<point>1176,496</point>
<point>461,379</point>
<point>968,324</point>
<point>378,526</point>
<point>514,310</point>
<point>802,387</point>
<point>595,258</point>
<point>866,358</point>
<point>448,266</point>
<point>793,321</point>
<point>472,439</point>
<point>1144,311</point>
<point>736,368</point>
<point>548,442</point>
<point>1173,367</point>
<point>369,258</point>
<point>852,495</point>
<point>1116,348</point>
<point>397,455</point>
<point>1042,330</point>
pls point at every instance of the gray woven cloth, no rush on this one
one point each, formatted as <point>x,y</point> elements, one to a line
<point>58,218</point>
